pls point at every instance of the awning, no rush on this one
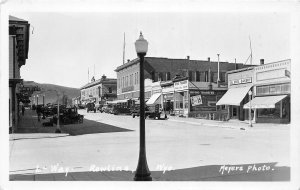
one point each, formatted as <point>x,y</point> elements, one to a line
<point>234,96</point>
<point>122,101</point>
<point>264,102</point>
<point>153,99</point>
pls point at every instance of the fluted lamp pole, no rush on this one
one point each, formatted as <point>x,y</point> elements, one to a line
<point>142,172</point>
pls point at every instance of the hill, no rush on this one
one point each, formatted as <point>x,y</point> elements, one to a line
<point>49,91</point>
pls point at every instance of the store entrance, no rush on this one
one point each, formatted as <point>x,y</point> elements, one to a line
<point>234,112</point>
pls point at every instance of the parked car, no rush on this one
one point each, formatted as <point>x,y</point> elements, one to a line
<point>90,107</point>
<point>107,108</point>
<point>152,111</point>
<point>68,116</point>
<point>118,109</point>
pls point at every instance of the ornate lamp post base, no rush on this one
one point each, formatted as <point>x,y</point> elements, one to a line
<point>142,178</point>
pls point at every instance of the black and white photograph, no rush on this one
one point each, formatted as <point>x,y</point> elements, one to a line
<point>149,95</point>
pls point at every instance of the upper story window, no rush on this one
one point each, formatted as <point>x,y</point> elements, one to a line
<point>197,76</point>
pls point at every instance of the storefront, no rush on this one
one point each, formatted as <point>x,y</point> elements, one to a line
<point>240,82</point>
<point>168,96</point>
<point>272,93</point>
<point>198,100</point>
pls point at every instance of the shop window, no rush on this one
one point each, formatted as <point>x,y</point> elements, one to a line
<point>270,112</point>
<point>214,76</point>
<point>202,76</point>
<point>190,75</point>
<point>222,76</point>
<point>178,100</point>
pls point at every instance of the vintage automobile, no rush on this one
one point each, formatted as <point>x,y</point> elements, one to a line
<point>152,111</point>
<point>107,108</point>
<point>90,107</point>
<point>68,116</point>
<point>119,109</point>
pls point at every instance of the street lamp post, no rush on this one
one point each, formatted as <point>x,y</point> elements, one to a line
<point>250,120</point>
<point>142,172</point>
<point>43,99</point>
<point>57,125</point>
<point>37,100</point>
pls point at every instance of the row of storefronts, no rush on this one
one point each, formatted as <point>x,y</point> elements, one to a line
<point>182,87</point>
<point>269,85</point>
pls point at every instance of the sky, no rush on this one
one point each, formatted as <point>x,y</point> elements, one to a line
<point>64,46</point>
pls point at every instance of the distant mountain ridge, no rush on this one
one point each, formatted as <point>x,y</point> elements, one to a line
<point>50,94</point>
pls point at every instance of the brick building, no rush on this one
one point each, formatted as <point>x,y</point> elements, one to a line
<point>199,75</point>
<point>101,90</point>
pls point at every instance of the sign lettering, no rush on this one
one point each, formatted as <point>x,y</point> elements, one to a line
<point>196,100</point>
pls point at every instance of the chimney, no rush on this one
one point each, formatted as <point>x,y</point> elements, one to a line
<point>188,57</point>
<point>262,61</point>
<point>208,59</point>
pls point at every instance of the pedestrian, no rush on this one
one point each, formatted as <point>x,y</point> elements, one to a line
<point>23,110</point>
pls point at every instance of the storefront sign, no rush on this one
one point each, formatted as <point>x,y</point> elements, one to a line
<point>196,100</point>
<point>241,81</point>
<point>168,96</point>
<point>208,92</point>
<point>181,85</point>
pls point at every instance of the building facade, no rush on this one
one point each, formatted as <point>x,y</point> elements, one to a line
<point>270,86</point>
<point>99,91</point>
<point>240,82</point>
<point>18,54</point>
<point>193,78</point>
<point>272,92</point>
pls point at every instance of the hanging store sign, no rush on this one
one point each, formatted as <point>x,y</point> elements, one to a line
<point>196,100</point>
<point>181,85</point>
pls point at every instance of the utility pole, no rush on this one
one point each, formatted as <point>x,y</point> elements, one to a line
<point>124,50</point>
<point>218,80</point>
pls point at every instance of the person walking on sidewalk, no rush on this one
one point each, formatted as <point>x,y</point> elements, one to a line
<point>23,110</point>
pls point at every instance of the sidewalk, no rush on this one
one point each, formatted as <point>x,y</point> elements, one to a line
<point>29,127</point>
<point>233,124</point>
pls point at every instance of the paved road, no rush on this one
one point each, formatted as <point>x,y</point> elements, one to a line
<point>171,144</point>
